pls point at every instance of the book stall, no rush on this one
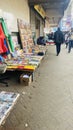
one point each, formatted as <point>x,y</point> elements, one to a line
<point>27,58</point>
<point>24,61</point>
<point>7,102</point>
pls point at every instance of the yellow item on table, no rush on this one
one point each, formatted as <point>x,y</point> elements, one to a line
<point>31,67</point>
<point>12,67</point>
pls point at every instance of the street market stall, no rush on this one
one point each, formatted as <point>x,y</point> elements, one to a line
<point>27,58</point>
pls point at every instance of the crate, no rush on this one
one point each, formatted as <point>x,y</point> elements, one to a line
<point>25,79</point>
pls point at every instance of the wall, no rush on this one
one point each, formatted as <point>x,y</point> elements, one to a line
<point>41,25</point>
<point>32,20</point>
<point>13,9</point>
<point>33,16</point>
<point>67,12</point>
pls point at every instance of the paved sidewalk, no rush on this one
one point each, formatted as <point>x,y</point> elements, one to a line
<point>47,104</point>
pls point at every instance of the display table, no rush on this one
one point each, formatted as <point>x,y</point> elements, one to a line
<point>24,64</point>
<point>7,102</point>
<point>28,67</point>
<point>27,62</point>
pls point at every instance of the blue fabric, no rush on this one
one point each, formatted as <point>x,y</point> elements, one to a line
<point>1,59</point>
<point>8,52</point>
<point>70,45</point>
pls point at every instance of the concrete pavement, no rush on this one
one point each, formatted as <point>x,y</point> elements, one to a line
<point>47,104</point>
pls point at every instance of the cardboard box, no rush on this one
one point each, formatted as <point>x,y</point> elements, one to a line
<point>25,79</point>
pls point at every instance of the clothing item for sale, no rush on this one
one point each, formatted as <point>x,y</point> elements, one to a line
<point>11,43</point>
<point>8,36</point>
<point>3,48</point>
<point>5,43</point>
<point>4,27</point>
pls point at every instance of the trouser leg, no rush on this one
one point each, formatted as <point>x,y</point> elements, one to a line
<point>69,48</point>
<point>66,44</point>
<point>57,49</point>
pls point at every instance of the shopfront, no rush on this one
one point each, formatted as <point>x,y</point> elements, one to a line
<point>67,20</point>
<point>37,22</point>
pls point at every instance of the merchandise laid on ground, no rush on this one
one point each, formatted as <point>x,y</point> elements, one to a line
<point>26,59</point>
<point>7,102</point>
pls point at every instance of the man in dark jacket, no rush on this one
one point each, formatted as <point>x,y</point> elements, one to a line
<point>58,39</point>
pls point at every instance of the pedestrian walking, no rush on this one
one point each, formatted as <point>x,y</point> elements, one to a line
<point>67,39</point>
<point>70,40</point>
<point>58,39</point>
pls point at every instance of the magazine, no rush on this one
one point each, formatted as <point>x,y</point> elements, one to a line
<point>7,101</point>
<point>8,96</point>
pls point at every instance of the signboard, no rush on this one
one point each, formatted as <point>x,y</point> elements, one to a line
<point>40,10</point>
<point>25,36</point>
<point>66,23</point>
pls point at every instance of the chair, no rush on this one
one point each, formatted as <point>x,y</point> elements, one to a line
<point>3,67</point>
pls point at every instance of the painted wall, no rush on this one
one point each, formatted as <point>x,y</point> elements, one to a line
<point>13,9</point>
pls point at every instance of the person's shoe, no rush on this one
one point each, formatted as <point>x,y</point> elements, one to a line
<point>68,51</point>
<point>57,54</point>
